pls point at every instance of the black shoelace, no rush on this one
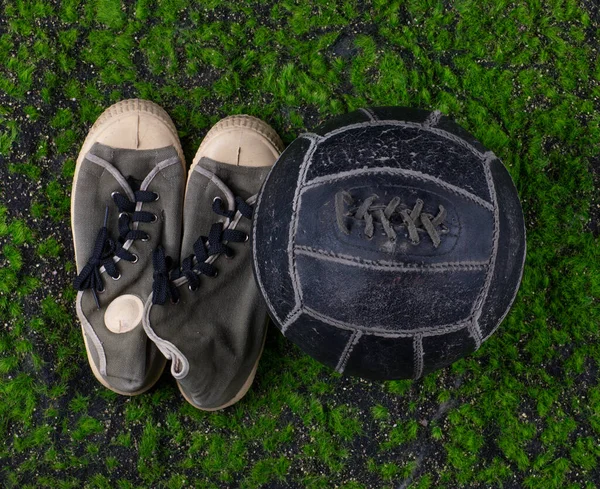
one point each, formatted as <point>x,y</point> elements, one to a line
<point>204,247</point>
<point>105,248</point>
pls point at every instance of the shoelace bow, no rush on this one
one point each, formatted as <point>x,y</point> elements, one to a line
<point>105,248</point>
<point>414,220</point>
<point>204,247</point>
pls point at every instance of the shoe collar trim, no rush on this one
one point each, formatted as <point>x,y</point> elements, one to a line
<point>168,349</point>
<point>219,183</point>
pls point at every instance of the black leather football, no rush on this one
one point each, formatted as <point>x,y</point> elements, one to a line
<point>388,243</point>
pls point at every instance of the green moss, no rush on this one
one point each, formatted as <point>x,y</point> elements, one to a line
<point>86,427</point>
<point>62,119</point>
<point>109,13</point>
<point>380,412</point>
<point>268,470</point>
<point>160,50</point>
<point>8,134</point>
<point>31,171</point>
<point>523,77</point>
<point>400,434</point>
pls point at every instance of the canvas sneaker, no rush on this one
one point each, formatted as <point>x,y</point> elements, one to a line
<point>127,199</point>
<point>206,316</point>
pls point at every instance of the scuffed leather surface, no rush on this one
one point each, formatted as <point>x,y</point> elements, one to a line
<point>365,319</point>
<point>387,300</point>
<point>511,252</point>
<point>465,220</point>
<point>377,357</point>
<point>275,209</point>
<point>414,149</point>
<point>326,343</point>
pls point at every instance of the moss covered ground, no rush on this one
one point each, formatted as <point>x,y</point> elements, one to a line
<point>522,76</point>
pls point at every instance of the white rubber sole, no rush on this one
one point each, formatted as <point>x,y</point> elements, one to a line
<point>238,121</point>
<point>101,379</point>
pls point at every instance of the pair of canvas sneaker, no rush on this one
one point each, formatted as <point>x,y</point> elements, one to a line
<point>164,270</point>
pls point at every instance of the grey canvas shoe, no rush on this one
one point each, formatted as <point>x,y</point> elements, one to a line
<point>207,316</point>
<point>127,199</point>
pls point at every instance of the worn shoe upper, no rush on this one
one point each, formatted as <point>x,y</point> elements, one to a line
<point>126,202</point>
<point>207,316</point>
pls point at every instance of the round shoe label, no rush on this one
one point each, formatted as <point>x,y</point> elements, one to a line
<point>124,313</point>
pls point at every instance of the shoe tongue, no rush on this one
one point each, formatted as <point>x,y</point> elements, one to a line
<point>134,183</point>
<point>135,164</point>
<point>243,181</point>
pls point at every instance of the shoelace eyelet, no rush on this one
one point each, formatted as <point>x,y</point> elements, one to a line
<point>162,271</point>
<point>116,278</point>
<point>101,291</point>
<point>121,214</point>
<point>157,197</point>
<point>135,258</point>
<point>154,218</point>
<point>114,193</point>
<point>146,239</point>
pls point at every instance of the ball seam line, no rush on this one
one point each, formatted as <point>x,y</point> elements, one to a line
<point>431,331</point>
<point>478,305</point>
<point>296,204</point>
<point>418,356</point>
<point>388,265</point>
<point>369,113</point>
<point>433,119</point>
<point>290,319</point>
<point>475,332</point>
<point>318,181</point>
<point>254,248</point>
<point>406,124</point>
<point>516,289</point>
<point>509,307</point>
<point>345,356</point>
